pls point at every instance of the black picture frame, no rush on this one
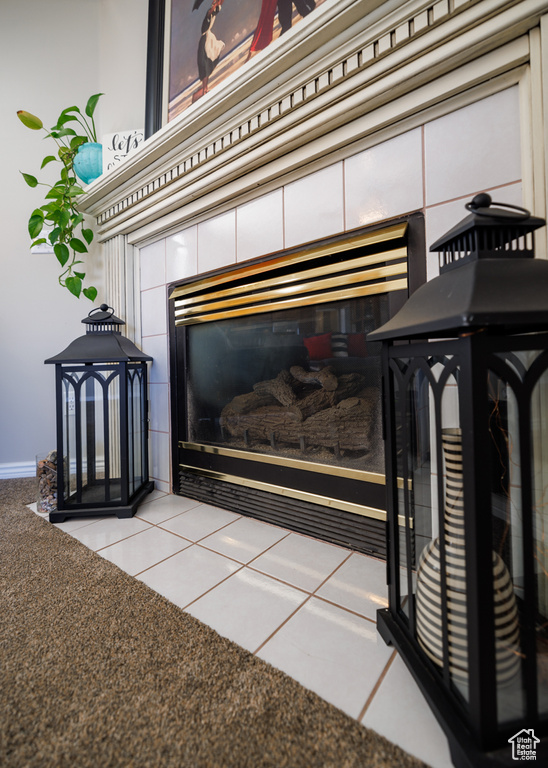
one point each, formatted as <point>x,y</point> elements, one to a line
<point>155,67</point>
<point>248,28</point>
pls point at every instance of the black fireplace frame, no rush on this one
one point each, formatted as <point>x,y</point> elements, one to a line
<point>243,484</point>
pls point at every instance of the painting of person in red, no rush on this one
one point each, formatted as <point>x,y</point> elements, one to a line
<point>210,40</point>
<point>265,25</point>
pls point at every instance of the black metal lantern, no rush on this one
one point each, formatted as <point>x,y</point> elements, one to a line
<point>102,422</point>
<point>466,405</point>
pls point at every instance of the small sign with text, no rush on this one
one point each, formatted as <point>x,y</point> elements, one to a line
<point>118,146</point>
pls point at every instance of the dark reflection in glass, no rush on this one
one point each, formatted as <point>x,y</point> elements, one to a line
<point>301,383</point>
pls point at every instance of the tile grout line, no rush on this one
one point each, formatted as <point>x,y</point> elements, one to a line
<point>298,608</point>
<point>376,687</point>
<point>242,566</point>
<point>333,572</point>
<point>221,528</point>
<point>165,559</point>
<point>248,564</point>
<point>344,608</point>
<point>284,622</point>
<point>230,575</point>
<point>113,543</point>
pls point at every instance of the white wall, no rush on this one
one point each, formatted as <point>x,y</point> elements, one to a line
<point>105,46</point>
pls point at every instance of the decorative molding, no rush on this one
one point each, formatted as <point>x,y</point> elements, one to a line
<point>14,469</point>
<point>372,62</point>
<point>122,284</point>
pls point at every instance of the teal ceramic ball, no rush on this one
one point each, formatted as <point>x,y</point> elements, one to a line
<point>88,163</point>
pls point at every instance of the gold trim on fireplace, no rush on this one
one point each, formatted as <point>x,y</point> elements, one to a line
<point>311,498</point>
<point>330,284</point>
<point>379,236</point>
<point>282,285</point>
<point>320,298</point>
<point>265,458</point>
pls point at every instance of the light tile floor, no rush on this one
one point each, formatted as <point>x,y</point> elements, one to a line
<point>303,605</point>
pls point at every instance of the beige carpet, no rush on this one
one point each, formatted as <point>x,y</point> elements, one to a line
<point>98,671</point>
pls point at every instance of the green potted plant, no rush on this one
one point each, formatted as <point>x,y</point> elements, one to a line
<point>69,236</point>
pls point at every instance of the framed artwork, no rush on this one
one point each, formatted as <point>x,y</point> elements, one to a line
<point>194,45</point>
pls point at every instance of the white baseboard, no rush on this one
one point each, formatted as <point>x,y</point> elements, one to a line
<point>17,469</point>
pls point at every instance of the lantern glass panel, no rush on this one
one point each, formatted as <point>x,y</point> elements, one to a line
<point>413,460</point>
<point>404,522</point>
<point>92,432</point>
<point>91,435</point>
<point>71,394</point>
<point>110,417</point>
<point>539,482</point>
<point>136,427</point>
<point>447,550</point>
<point>507,539</point>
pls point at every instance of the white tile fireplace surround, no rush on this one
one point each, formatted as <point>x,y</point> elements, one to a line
<point>381,111</point>
<point>403,174</point>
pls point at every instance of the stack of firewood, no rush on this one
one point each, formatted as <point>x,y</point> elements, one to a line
<point>46,472</point>
<point>307,408</point>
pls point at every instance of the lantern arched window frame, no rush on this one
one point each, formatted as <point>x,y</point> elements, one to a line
<point>101,422</point>
<point>463,497</point>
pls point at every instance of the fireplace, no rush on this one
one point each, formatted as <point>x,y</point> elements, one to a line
<point>276,392</point>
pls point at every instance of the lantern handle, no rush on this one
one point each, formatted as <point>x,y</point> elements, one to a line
<point>484,200</point>
<point>102,308</point>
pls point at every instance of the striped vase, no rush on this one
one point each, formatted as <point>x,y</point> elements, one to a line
<point>428,594</point>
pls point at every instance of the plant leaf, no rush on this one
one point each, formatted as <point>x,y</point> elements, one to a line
<point>77,245</point>
<point>63,132</point>
<point>54,235</point>
<point>70,109</point>
<point>74,190</point>
<point>64,219</point>
<point>92,103</point>
<point>77,141</point>
<point>50,209</point>
<point>30,120</point>
<point>54,194</point>
<point>32,181</point>
<point>62,253</point>
<point>81,275</point>
<point>87,235</point>
<point>65,117</point>
<point>38,242</point>
<point>36,222</point>
<point>48,159</point>
<point>74,284</point>
<point>90,293</point>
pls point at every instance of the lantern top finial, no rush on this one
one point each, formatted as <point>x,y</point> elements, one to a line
<point>481,206</point>
<point>102,319</point>
<point>488,233</point>
<point>488,279</point>
<point>102,342</point>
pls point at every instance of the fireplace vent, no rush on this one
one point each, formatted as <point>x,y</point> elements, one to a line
<point>363,534</point>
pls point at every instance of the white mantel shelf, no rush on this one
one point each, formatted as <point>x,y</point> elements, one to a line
<point>357,72</point>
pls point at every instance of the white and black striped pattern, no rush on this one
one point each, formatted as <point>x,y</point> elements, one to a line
<point>339,345</point>
<point>428,595</point>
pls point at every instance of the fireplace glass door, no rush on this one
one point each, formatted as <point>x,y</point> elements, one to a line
<point>299,383</point>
